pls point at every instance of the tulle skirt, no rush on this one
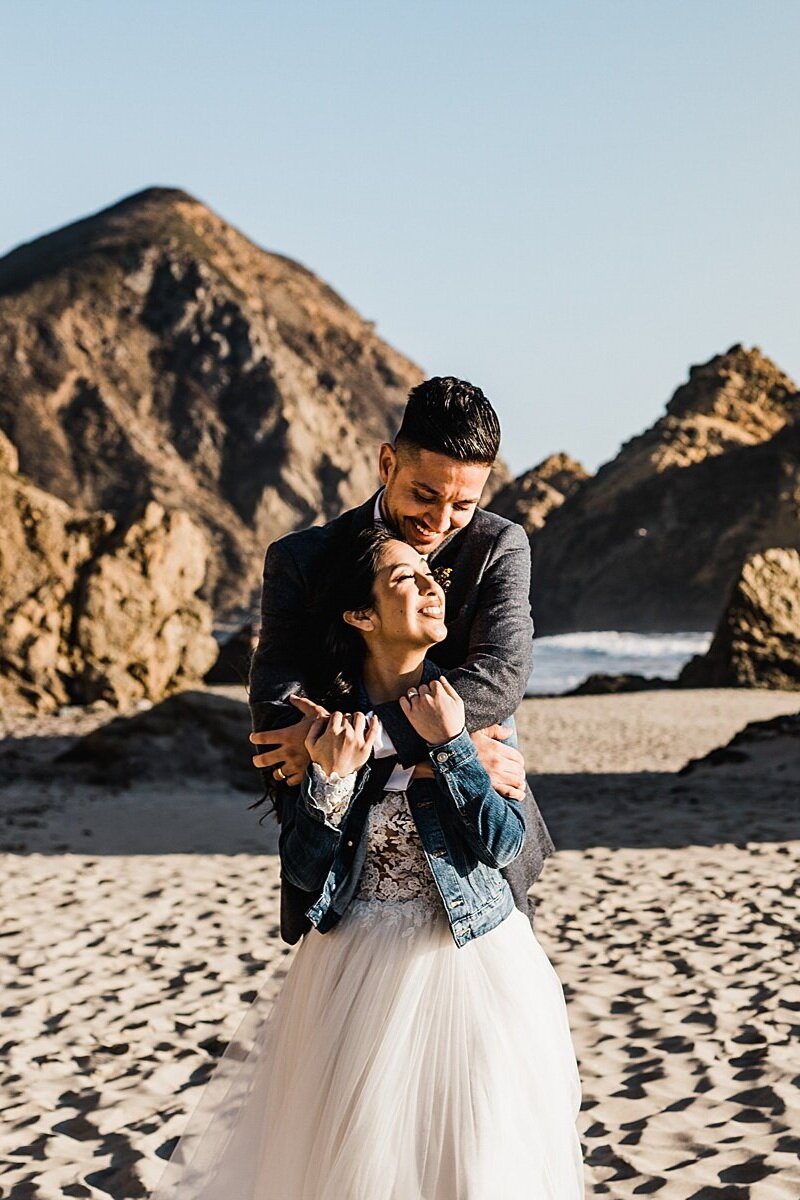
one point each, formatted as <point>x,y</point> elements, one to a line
<point>394,1065</point>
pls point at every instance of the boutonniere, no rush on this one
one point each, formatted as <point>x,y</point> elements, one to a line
<point>442,576</point>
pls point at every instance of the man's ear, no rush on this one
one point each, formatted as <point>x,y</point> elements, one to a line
<point>359,619</point>
<point>387,461</point>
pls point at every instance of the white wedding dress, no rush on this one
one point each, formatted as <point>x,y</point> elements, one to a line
<point>393,1064</point>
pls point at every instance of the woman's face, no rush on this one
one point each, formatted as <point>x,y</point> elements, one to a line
<point>408,602</point>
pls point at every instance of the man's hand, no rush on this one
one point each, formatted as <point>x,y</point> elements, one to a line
<point>288,755</point>
<point>504,764</point>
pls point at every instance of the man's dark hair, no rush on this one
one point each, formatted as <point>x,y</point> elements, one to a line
<point>451,417</point>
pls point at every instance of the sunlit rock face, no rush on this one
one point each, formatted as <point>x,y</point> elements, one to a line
<point>95,609</point>
<point>531,497</point>
<point>757,643</point>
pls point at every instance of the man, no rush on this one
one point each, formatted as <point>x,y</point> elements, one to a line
<point>432,478</point>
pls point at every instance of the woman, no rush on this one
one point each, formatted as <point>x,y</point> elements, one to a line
<point>419,1048</point>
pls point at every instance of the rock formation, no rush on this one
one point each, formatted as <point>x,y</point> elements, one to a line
<point>531,497</point>
<point>93,609</point>
<point>600,684</point>
<point>154,745</point>
<point>654,541</point>
<point>757,643</point>
<point>152,352</point>
<point>763,749</point>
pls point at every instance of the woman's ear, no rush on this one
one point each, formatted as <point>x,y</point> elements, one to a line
<point>359,619</point>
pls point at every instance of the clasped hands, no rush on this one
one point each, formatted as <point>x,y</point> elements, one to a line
<point>348,738</point>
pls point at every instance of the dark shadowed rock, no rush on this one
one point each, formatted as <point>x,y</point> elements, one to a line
<point>532,496</point>
<point>655,540</point>
<point>152,352</point>
<point>192,734</point>
<point>610,685</point>
<point>233,663</point>
<point>757,643</point>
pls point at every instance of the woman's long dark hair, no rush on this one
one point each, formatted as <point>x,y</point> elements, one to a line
<point>347,585</point>
<point>345,582</point>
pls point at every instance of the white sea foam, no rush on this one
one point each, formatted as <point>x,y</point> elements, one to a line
<point>561,662</point>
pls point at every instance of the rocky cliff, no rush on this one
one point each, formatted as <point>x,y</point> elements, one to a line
<point>531,497</point>
<point>152,352</point>
<point>655,540</point>
<point>95,609</point>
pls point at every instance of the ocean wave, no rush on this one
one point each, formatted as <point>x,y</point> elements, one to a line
<point>563,661</point>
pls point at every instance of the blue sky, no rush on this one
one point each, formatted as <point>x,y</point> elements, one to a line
<point>567,203</point>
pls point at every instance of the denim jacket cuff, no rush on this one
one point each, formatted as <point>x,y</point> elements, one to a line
<point>454,753</point>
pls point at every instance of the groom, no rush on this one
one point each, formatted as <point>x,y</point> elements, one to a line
<point>432,477</point>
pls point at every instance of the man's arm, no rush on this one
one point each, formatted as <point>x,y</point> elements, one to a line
<point>276,669</point>
<point>492,679</point>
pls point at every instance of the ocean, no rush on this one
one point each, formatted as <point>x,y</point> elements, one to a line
<point>563,661</point>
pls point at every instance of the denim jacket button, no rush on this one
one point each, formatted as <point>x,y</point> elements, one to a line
<point>349,842</point>
<point>441,756</point>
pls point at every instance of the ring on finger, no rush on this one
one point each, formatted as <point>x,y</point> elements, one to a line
<point>412,692</point>
<point>278,774</point>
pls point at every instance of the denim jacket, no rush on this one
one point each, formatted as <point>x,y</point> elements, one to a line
<point>468,832</point>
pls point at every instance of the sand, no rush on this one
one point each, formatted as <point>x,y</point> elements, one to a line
<point>137,925</point>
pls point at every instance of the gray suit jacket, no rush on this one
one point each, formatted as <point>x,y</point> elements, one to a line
<point>487,654</point>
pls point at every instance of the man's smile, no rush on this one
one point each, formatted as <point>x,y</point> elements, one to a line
<point>422,531</point>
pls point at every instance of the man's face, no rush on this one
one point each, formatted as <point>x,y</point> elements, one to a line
<point>428,495</point>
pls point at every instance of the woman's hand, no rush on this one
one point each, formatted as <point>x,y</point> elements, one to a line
<point>341,742</point>
<point>435,710</point>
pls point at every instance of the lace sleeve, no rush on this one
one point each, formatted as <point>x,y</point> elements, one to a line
<point>331,793</point>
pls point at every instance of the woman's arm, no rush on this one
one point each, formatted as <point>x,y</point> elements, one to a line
<point>340,746</point>
<point>313,821</point>
<point>493,825</point>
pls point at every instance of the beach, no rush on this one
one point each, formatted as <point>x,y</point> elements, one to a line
<point>139,922</point>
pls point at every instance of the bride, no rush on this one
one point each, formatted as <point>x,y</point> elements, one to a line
<point>419,1048</point>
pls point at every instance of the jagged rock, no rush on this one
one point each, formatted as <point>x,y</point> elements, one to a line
<point>757,643</point>
<point>152,352</point>
<point>94,611</point>
<point>191,734</point>
<point>43,546</point>
<point>654,541</point>
<point>532,496</point>
<point>140,631</point>
<point>9,459</point>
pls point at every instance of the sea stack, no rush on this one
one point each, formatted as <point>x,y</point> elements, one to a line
<point>655,540</point>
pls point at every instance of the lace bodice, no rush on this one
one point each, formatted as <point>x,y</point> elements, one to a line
<point>395,867</point>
